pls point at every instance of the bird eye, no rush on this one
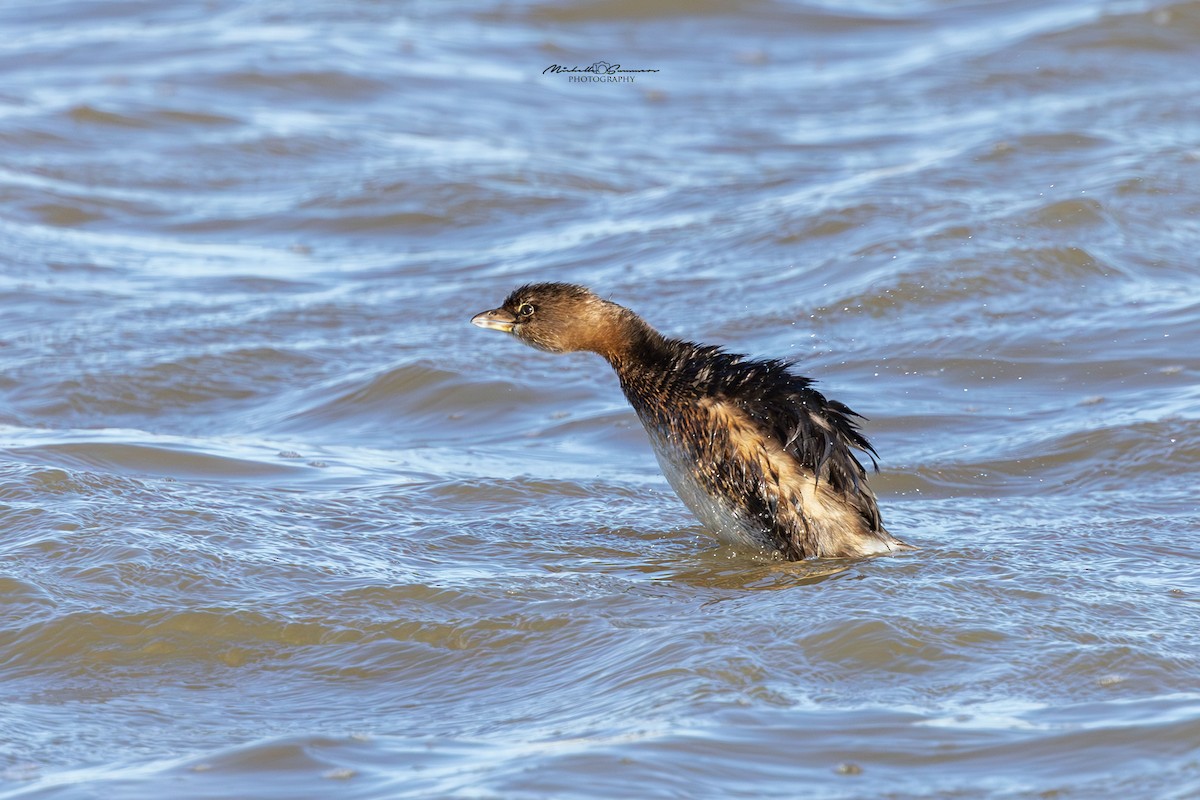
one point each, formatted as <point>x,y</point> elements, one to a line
<point>525,310</point>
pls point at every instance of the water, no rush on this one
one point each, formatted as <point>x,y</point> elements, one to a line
<point>275,520</point>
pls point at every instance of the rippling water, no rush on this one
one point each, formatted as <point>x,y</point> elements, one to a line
<point>275,521</point>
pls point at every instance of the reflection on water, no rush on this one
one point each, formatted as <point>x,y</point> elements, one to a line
<point>274,513</point>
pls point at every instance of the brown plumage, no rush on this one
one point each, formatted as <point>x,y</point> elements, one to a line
<point>763,459</point>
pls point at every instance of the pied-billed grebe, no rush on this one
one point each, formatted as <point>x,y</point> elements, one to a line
<point>763,459</point>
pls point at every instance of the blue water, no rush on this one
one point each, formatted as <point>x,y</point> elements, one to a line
<point>275,520</point>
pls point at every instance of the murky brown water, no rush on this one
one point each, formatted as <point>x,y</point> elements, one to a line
<point>275,521</point>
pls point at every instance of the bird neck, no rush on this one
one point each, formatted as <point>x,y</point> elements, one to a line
<point>629,342</point>
<point>648,365</point>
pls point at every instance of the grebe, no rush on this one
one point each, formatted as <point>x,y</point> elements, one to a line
<point>761,458</point>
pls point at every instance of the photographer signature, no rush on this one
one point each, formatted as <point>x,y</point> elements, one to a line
<point>598,68</point>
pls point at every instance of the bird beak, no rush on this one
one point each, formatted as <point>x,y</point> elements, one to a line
<point>497,319</point>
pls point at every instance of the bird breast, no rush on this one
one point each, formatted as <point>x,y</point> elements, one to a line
<point>722,516</point>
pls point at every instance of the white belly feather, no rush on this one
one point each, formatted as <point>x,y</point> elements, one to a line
<point>721,517</point>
